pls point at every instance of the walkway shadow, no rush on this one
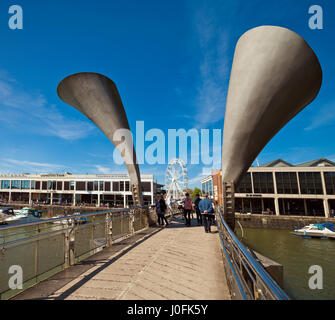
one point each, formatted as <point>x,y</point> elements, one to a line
<point>48,287</point>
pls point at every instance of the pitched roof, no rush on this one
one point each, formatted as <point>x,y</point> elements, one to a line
<point>322,162</point>
<point>277,163</point>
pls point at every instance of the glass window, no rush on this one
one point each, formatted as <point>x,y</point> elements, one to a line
<point>66,185</point>
<point>71,185</point>
<point>59,185</point>
<point>25,184</point>
<point>80,185</point>
<point>16,184</point>
<point>96,186</point>
<point>146,186</point>
<point>330,182</point>
<point>5,184</point>
<point>116,186</point>
<point>101,186</point>
<point>287,182</point>
<point>90,186</point>
<point>51,185</point>
<point>245,184</point>
<point>310,182</point>
<point>38,185</point>
<point>107,186</point>
<point>263,182</point>
<point>32,185</point>
<point>127,186</point>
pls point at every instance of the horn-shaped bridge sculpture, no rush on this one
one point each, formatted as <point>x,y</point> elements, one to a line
<point>97,97</point>
<point>275,75</point>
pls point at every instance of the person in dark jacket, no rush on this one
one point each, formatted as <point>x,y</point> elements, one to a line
<point>206,209</point>
<point>158,210</point>
<point>163,208</point>
<point>196,208</point>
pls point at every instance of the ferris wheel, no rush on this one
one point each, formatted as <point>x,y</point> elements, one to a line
<point>176,180</point>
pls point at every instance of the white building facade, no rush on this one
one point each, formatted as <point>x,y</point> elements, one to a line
<point>111,190</point>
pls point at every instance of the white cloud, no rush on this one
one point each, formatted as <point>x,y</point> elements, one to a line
<point>103,170</point>
<point>197,178</point>
<point>20,166</point>
<point>18,106</point>
<point>325,116</point>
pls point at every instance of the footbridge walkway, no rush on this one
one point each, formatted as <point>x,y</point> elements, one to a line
<point>122,254</point>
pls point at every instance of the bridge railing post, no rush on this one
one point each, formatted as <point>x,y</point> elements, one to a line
<point>109,229</point>
<point>131,222</point>
<point>69,237</point>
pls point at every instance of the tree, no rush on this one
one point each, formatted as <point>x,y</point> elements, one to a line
<point>195,192</point>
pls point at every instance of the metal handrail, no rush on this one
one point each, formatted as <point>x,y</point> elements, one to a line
<point>253,263</point>
<point>63,228</point>
<point>68,238</point>
<point>43,221</point>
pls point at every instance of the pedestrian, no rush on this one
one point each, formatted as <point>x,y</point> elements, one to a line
<point>188,209</point>
<point>163,208</point>
<point>158,210</point>
<point>206,209</point>
<point>196,208</point>
<point>170,202</point>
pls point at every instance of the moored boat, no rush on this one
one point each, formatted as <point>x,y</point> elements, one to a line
<point>28,211</point>
<point>316,230</point>
<point>7,215</point>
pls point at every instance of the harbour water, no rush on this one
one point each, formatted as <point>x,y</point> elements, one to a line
<point>297,255</point>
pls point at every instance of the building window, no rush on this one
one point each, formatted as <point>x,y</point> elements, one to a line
<point>38,185</point>
<point>5,184</point>
<point>146,186</point>
<point>16,184</point>
<point>32,185</point>
<point>330,182</point>
<point>66,185</point>
<point>116,186</point>
<point>310,182</point>
<point>245,184</point>
<point>107,186</point>
<point>51,185</point>
<point>71,185</point>
<point>96,186</point>
<point>287,182</point>
<point>127,186</point>
<point>121,185</point>
<point>263,182</point>
<point>90,186</point>
<point>80,185</point>
<point>101,186</point>
<point>25,184</point>
<point>59,185</point>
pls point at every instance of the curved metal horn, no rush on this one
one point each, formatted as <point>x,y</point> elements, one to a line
<point>97,97</point>
<point>275,74</point>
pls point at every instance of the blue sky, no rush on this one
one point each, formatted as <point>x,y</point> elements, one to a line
<point>171,62</point>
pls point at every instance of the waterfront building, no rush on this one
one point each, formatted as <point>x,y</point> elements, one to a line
<point>69,189</point>
<point>281,188</point>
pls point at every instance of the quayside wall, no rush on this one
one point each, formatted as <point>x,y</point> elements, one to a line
<point>278,222</point>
